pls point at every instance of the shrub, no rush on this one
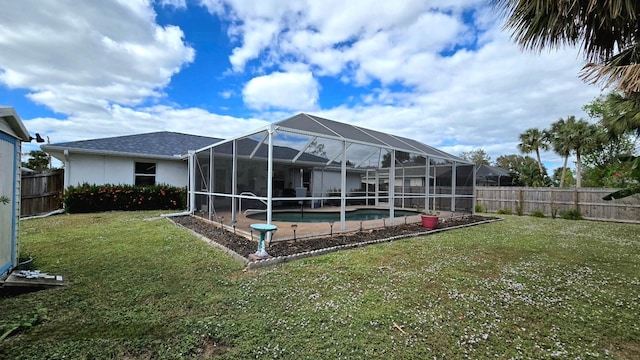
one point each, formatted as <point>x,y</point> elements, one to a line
<point>480,208</point>
<point>573,214</point>
<point>537,213</point>
<point>87,198</point>
<point>505,211</point>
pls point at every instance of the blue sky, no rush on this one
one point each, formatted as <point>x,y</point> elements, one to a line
<point>442,72</point>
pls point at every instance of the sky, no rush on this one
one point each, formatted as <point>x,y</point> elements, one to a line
<point>442,72</point>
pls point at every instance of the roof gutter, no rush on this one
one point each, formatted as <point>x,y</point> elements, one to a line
<point>60,149</point>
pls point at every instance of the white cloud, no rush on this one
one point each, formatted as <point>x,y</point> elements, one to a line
<point>466,85</point>
<point>226,94</point>
<point>438,71</point>
<point>121,120</point>
<point>78,56</point>
<point>291,91</point>
<point>258,34</point>
<point>178,4</point>
<point>371,36</point>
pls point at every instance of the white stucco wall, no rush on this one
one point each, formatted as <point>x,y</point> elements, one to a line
<point>104,169</point>
<point>172,172</point>
<point>327,180</point>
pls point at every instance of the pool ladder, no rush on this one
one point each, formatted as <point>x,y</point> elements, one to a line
<point>248,193</point>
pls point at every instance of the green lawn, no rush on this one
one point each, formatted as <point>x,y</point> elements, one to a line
<point>521,288</point>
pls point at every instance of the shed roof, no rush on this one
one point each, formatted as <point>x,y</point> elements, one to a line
<point>17,128</point>
<point>162,144</point>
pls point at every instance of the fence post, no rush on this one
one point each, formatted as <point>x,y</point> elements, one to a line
<point>519,206</point>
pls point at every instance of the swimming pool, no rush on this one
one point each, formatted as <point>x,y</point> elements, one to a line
<point>328,216</point>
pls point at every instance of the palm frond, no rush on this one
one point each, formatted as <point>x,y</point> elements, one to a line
<point>599,27</point>
<point>624,117</point>
<point>623,193</point>
<point>621,71</point>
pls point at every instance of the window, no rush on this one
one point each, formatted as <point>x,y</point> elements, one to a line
<point>145,174</point>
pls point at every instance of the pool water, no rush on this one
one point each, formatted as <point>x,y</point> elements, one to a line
<point>316,216</point>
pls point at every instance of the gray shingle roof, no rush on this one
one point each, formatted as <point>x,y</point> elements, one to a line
<point>162,143</point>
<point>170,144</point>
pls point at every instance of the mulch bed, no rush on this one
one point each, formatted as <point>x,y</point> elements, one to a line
<point>246,247</point>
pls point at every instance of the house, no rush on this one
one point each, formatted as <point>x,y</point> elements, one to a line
<point>305,160</point>
<point>141,159</point>
<point>12,133</point>
<point>159,158</point>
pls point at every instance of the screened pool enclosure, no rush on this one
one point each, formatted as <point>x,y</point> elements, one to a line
<point>309,164</point>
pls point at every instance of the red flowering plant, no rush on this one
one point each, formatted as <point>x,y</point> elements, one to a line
<point>633,187</point>
<point>96,198</point>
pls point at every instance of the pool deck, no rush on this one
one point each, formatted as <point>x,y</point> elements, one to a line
<point>308,229</point>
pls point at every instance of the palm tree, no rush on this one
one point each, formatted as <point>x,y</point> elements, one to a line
<point>606,30</point>
<point>580,136</point>
<point>559,139</point>
<point>533,140</point>
<point>619,116</point>
<point>571,135</point>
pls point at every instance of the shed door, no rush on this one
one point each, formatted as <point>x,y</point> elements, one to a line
<point>7,187</point>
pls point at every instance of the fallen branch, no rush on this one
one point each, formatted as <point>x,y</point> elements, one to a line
<point>399,328</point>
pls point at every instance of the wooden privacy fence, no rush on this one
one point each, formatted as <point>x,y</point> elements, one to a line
<point>40,193</point>
<point>587,200</point>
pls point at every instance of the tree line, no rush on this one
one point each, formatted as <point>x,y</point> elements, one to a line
<point>607,32</point>
<point>601,150</point>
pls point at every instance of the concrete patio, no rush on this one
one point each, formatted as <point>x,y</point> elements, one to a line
<point>310,229</point>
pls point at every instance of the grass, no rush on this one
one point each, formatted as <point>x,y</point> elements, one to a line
<point>522,288</point>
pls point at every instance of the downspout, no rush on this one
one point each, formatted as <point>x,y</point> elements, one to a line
<point>67,168</point>
<point>190,190</point>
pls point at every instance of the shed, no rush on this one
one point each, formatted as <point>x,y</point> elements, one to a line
<point>12,133</point>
